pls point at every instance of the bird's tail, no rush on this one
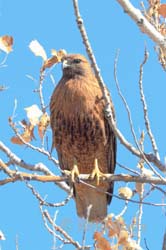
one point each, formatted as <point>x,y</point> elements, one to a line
<point>86,196</point>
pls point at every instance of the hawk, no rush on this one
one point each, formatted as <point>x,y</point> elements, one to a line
<point>84,141</point>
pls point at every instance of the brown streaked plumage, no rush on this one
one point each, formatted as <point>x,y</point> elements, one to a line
<point>81,132</point>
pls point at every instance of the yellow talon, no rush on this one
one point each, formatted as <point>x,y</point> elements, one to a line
<point>96,173</point>
<point>74,172</point>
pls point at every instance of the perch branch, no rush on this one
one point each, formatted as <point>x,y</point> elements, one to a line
<point>19,176</point>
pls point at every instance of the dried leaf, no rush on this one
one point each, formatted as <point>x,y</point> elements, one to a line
<point>2,236</point>
<point>38,49</point>
<point>132,245</point>
<point>27,135</point>
<point>162,10</point>
<point>123,237</point>
<point>33,114</point>
<point>162,29</point>
<point>101,242</point>
<point>56,58</point>
<point>125,192</point>
<point>6,43</point>
<point>115,228</point>
<point>43,124</point>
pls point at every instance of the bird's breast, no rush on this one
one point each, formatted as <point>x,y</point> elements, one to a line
<point>78,117</point>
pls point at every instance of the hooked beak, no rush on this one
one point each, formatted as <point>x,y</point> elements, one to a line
<point>65,64</point>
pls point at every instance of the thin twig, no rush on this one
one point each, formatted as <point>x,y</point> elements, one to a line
<point>18,161</point>
<point>130,118</point>
<point>2,63</point>
<point>17,245</point>
<point>38,149</point>
<point>54,238</point>
<point>145,109</point>
<point>123,211</point>
<point>39,167</point>
<point>164,242</point>
<point>121,198</point>
<point>124,100</point>
<point>86,226</point>
<point>49,204</point>
<point>15,108</point>
<point>52,231</point>
<point>61,231</point>
<point>42,76</point>
<point>128,169</point>
<point>140,213</point>
<point>146,245</point>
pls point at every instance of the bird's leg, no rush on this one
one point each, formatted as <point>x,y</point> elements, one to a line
<point>74,172</point>
<point>96,173</point>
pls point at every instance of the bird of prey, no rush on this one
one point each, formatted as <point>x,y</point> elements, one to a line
<point>83,139</point>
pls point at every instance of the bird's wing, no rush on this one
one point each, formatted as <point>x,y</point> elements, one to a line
<point>112,149</point>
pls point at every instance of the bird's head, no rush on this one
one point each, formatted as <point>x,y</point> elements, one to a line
<point>74,65</point>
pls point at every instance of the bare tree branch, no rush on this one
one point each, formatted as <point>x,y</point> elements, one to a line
<point>19,176</point>
<point>43,202</point>
<point>63,232</point>
<point>16,176</point>
<point>40,167</point>
<point>144,25</point>
<point>108,111</point>
<point>52,231</point>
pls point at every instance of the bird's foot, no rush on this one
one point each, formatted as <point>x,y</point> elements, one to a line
<point>74,173</point>
<point>96,173</point>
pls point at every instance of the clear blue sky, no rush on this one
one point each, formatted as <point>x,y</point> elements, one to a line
<point>52,23</point>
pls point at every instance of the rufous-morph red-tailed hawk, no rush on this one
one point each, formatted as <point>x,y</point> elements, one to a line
<point>81,134</point>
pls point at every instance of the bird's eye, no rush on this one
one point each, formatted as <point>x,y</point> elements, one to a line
<point>76,61</point>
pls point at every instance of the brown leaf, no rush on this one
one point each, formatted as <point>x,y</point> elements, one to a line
<point>101,242</point>
<point>114,226</point>
<point>131,245</point>
<point>162,10</point>
<point>6,43</point>
<point>162,29</point>
<point>43,124</point>
<point>115,229</point>
<point>56,58</point>
<point>27,135</point>
<point>123,237</point>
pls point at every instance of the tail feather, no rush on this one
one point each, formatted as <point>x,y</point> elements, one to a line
<point>86,196</point>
